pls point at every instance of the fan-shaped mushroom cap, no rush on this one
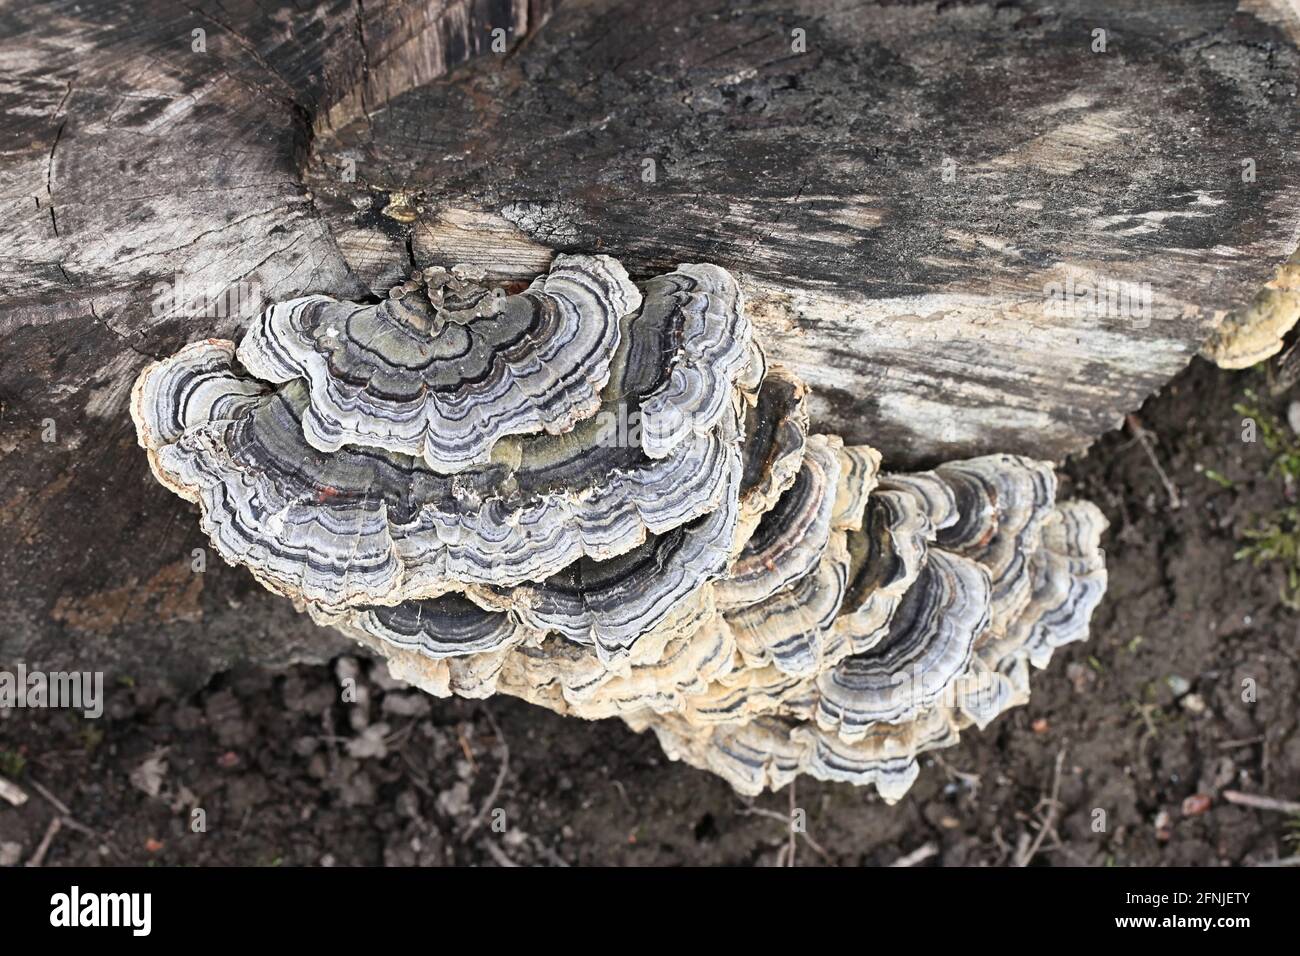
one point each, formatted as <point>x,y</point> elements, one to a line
<point>788,628</point>
<point>543,502</point>
<point>744,692</point>
<point>447,626</point>
<point>708,334</point>
<point>885,557</point>
<point>768,752</point>
<point>859,474</point>
<point>776,436</point>
<point>198,384</point>
<point>929,644</point>
<point>1002,500</point>
<point>791,537</point>
<point>661,672</point>
<point>609,604</point>
<point>443,377</point>
<point>473,675</point>
<point>885,756</point>
<point>934,496</point>
<point>300,534</point>
<point>619,512</point>
<point>1069,579</point>
<point>865,718</point>
<point>751,756</point>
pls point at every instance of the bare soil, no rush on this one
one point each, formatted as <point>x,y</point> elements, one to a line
<point>1147,721</point>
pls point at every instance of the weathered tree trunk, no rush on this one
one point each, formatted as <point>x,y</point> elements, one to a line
<point>909,193</point>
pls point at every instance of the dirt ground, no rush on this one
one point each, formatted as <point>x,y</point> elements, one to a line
<point>1147,721</point>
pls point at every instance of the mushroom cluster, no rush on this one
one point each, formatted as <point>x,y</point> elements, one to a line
<point>601,498</point>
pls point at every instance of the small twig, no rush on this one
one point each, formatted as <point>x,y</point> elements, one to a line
<point>13,793</point>
<point>816,847</point>
<point>1144,439</point>
<point>56,824</point>
<point>1244,742</point>
<point>490,799</point>
<point>919,855</point>
<point>416,775</point>
<point>1285,861</point>
<point>622,792</point>
<point>398,738</point>
<point>50,798</point>
<point>1049,821</point>
<point>760,812</point>
<point>748,810</point>
<point>498,854</point>
<point>67,819</point>
<point>1261,803</point>
<point>466,750</point>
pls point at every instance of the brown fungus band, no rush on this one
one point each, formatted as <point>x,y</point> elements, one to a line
<point>599,496</point>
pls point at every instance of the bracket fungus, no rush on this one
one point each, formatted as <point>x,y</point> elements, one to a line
<point>600,497</point>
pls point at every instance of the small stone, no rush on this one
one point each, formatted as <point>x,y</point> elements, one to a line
<point>1196,804</point>
<point>1194,704</point>
<point>1162,825</point>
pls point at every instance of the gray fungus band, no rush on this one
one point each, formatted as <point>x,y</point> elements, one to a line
<point>601,498</point>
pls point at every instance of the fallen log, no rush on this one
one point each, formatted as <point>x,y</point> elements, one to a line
<point>971,227</point>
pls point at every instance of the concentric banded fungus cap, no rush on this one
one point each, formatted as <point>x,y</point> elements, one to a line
<point>776,434</point>
<point>769,751</point>
<point>885,557</point>
<point>643,530</point>
<point>609,604</point>
<point>366,525</point>
<point>1069,579</point>
<point>884,757</point>
<point>199,384</point>
<point>447,626</point>
<point>751,756</point>
<point>663,670</point>
<point>859,474</point>
<point>464,675</point>
<point>708,334</point>
<point>1002,501</point>
<point>547,501</point>
<point>791,538</point>
<point>930,642</point>
<point>788,627</point>
<point>264,502</point>
<point>443,375</point>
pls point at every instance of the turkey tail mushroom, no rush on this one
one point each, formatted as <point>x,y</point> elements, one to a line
<point>602,498</point>
<point>421,376</point>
